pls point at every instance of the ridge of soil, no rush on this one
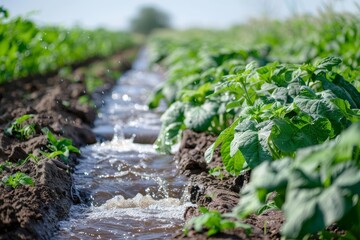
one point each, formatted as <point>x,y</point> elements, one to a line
<point>221,194</point>
<point>28,212</point>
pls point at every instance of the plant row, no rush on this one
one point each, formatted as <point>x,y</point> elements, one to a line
<point>27,49</point>
<point>22,130</point>
<point>284,101</point>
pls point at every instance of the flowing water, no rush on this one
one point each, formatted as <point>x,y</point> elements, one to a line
<point>135,193</point>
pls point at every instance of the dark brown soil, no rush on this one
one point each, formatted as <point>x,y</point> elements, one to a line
<point>221,194</point>
<point>28,212</point>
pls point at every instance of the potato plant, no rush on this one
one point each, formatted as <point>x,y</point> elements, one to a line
<point>17,179</point>
<point>58,147</point>
<point>283,98</point>
<point>19,129</point>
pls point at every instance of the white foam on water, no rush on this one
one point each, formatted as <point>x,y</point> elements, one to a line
<point>139,201</point>
<point>142,207</point>
<point>119,144</point>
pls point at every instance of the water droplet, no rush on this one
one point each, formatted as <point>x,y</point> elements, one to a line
<point>126,98</point>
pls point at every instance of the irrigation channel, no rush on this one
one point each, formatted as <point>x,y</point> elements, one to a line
<point>135,192</point>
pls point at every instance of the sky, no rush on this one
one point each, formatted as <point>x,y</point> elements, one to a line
<point>116,14</point>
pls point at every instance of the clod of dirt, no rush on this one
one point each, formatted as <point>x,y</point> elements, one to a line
<point>190,157</point>
<point>17,153</point>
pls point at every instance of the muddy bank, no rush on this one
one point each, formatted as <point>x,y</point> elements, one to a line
<point>63,104</point>
<point>219,193</point>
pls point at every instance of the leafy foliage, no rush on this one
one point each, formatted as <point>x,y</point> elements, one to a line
<point>58,147</point>
<point>213,222</point>
<point>30,156</point>
<point>282,108</point>
<point>201,110</point>
<point>277,94</point>
<point>20,130</point>
<point>319,187</point>
<point>18,179</point>
<point>27,49</point>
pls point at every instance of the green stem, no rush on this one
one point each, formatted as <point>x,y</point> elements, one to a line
<point>247,97</point>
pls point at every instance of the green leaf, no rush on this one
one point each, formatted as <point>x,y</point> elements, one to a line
<point>155,98</point>
<point>226,224</point>
<point>230,86</point>
<point>18,130</point>
<point>175,113</point>
<point>251,143</point>
<point>212,220</point>
<point>64,142</point>
<point>199,118</point>
<point>328,63</point>
<point>225,134</point>
<point>28,130</point>
<point>168,136</point>
<point>338,91</point>
<point>26,180</point>
<point>310,207</point>
<point>339,150</point>
<point>353,93</point>
<point>52,139</point>
<point>280,94</point>
<point>233,163</point>
<point>52,155</point>
<point>294,87</point>
<point>23,118</point>
<point>324,107</point>
<point>288,138</point>
<point>254,194</point>
<point>73,149</point>
<point>233,104</point>
<point>17,179</point>
<point>203,209</point>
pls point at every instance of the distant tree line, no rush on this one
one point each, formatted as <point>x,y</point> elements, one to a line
<point>148,19</point>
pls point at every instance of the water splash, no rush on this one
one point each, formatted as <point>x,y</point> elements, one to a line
<point>134,191</point>
<point>118,132</point>
<point>140,201</point>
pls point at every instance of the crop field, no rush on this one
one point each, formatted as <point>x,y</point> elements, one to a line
<point>263,120</point>
<point>283,100</point>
